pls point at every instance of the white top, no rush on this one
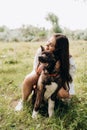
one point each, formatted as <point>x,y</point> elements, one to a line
<point>72,69</point>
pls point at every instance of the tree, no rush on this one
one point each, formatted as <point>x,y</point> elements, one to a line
<point>54,21</point>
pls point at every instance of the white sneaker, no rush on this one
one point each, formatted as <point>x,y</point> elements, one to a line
<point>19,106</point>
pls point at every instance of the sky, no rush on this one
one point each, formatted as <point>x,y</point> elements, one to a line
<point>72,14</point>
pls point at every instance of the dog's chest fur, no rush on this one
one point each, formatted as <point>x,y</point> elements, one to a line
<point>50,89</point>
<point>50,83</point>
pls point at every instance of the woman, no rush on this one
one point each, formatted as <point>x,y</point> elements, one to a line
<point>59,45</point>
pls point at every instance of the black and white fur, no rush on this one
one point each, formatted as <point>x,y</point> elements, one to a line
<point>48,84</point>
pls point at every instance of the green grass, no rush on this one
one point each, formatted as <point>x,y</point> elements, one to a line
<point>16,61</point>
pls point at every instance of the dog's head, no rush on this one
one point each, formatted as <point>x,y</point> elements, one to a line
<point>47,57</point>
<point>49,60</point>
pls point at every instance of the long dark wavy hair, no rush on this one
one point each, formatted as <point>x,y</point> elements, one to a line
<point>62,54</point>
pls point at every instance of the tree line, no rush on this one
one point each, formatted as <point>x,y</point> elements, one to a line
<point>28,33</point>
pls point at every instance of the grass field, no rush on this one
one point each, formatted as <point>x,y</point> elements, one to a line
<point>16,60</point>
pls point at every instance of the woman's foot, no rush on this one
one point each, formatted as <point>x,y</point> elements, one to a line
<point>19,106</point>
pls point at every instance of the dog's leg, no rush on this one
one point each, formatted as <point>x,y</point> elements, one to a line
<point>51,105</point>
<point>38,101</point>
<point>34,114</point>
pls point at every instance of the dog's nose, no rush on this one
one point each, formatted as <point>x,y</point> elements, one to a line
<point>40,58</point>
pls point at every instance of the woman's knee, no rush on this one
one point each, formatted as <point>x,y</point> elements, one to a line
<point>30,79</point>
<point>27,85</point>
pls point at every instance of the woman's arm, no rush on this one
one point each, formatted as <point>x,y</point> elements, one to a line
<point>72,73</point>
<point>72,67</point>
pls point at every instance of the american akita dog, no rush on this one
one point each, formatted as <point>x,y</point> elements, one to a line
<point>48,84</point>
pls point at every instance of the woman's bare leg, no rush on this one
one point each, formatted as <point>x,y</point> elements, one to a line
<point>27,87</point>
<point>28,83</point>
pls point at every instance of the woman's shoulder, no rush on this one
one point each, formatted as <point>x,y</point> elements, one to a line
<point>71,59</point>
<point>38,52</point>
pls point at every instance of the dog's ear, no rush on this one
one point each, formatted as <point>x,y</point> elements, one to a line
<point>42,48</point>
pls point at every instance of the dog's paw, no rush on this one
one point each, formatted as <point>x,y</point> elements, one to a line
<point>51,105</point>
<point>34,114</point>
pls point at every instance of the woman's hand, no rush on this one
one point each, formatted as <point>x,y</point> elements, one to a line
<point>40,68</point>
<point>62,93</point>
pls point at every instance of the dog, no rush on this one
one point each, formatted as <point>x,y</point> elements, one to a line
<point>49,83</point>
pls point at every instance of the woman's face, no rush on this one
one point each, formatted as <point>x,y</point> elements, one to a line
<point>50,45</point>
